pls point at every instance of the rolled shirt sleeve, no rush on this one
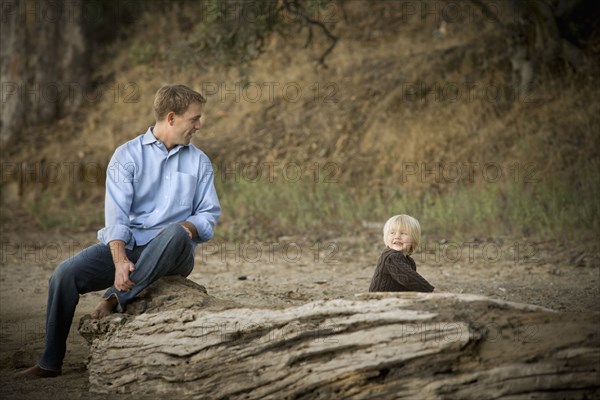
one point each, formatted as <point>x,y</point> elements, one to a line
<point>207,209</point>
<point>120,176</point>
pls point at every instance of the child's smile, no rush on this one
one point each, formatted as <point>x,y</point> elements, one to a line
<point>399,241</point>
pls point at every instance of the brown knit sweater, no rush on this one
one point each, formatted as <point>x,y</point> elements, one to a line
<point>396,272</point>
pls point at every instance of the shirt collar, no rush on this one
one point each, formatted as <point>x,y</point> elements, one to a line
<point>149,137</point>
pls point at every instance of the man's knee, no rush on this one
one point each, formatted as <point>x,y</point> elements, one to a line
<point>63,272</point>
<point>176,231</point>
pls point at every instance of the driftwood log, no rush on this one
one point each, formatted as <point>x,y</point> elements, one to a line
<point>182,342</point>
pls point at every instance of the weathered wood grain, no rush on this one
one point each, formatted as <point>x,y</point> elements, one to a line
<point>402,345</point>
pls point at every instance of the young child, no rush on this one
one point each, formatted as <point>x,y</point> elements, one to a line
<point>396,271</point>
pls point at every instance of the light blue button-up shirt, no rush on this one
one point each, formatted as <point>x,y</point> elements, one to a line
<point>149,187</point>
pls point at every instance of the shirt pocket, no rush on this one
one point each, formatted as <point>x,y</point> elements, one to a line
<point>185,188</point>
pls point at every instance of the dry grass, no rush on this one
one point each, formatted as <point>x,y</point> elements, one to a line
<point>360,117</point>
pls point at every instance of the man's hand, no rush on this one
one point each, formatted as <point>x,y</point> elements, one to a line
<point>190,229</point>
<point>122,270</point>
<point>122,266</point>
<point>187,230</point>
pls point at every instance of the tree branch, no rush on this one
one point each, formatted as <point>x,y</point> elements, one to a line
<point>294,8</point>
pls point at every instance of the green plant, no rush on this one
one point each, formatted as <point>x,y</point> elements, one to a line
<point>262,209</point>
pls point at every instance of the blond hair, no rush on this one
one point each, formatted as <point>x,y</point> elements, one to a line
<point>176,98</point>
<point>406,224</point>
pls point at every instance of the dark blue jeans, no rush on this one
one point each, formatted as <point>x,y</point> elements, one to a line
<point>171,252</point>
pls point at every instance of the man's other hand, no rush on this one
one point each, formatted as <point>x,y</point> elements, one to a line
<point>122,270</point>
<point>187,230</point>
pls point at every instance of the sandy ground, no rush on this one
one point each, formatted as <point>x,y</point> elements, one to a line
<point>288,271</point>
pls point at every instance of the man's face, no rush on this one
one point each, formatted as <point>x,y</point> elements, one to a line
<point>185,125</point>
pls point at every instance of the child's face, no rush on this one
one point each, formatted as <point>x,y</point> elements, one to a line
<point>398,239</point>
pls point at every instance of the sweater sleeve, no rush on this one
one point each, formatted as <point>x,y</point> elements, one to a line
<point>401,272</point>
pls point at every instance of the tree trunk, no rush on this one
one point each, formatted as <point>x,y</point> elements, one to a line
<point>43,65</point>
<point>389,345</point>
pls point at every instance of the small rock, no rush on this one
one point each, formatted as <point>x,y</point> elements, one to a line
<point>289,239</point>
<point>555,271</point>
<point>22,359</point>
<point>371,225</point>
<point>579,261</point>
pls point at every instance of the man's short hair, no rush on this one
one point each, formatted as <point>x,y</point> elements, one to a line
<point>176,98</point>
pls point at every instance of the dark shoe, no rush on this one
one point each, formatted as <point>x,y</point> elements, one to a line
<point>38,372</point>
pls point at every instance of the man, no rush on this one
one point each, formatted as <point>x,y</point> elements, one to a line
<point>160,203</point>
